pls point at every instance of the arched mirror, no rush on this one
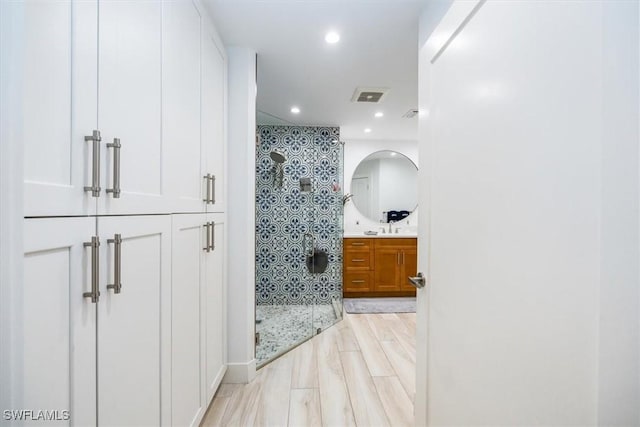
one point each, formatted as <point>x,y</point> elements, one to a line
<point>385,186</point>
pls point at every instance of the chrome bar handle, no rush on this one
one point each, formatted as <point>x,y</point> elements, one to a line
<point>116,168</point>
<point>117,263</point>
<point>207,248</point>
<point>95,173</point>
<point>95,269</point>
<point>213,236</point>
<point>207,177</point>
<point>398,258</point>
<point>402,257</point>
<point>213,189</point>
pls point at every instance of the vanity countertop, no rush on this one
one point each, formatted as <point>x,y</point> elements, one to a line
<point>361,235</point>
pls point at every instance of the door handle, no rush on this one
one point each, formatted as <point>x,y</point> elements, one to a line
<point>207,198</point>
<point>95,138</point>
<point>117,263</point>
<point>418,281</point>
<point>94,244</point>
<point>213,189</point>
<point>212,228</point>
<point>116,168</point>
<point>207,233</point>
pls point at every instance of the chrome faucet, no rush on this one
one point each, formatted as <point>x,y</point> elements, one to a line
<point>391,222</point>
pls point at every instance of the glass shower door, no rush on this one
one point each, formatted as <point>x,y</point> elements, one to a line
<point>298,236</point>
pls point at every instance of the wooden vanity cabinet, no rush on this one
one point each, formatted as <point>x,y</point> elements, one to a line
<point>379,266</point>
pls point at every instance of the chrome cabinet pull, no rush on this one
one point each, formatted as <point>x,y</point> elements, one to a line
<point>357,244</point>
<point>207,232</point>
<point>213,189</point>
<point>398,257</point>
<point>402,257</point>
<point>206,199</point>
<point>117,263</point>
<point>95,173</point>
<point>116,168</point>
<point>357,281</point>
<point>419,281</point>
<point>357,260</point>
<point>213,236</point>
<point>94,244</point>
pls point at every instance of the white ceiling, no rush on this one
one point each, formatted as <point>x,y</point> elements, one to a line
<point>378,48</point>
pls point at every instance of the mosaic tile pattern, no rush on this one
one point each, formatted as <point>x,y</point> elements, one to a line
<point>285,214</point>
<point>282,327</point>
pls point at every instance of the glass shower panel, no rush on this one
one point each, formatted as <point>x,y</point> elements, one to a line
<point>298,221</point>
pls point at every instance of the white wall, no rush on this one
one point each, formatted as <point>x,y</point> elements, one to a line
<point>530,121</point>
<point>354,152</point>
<point>241,218</point>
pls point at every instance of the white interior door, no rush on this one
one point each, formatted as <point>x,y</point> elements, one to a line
<point>213,118</point>
<point>133,337</point>
<point>181,99</point>
<point>130,100</point>
<point>59,106</point>
<point>533,195</point>
<point>187,298</point>
<point>54,352</point>
<point>215,306</point>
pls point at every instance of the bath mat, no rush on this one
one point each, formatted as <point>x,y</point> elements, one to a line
<point>380,305</point>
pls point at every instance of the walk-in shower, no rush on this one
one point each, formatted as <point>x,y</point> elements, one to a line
<point>299,175</point>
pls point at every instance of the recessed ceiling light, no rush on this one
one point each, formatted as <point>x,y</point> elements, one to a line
<point>295,110</point>
<point>332,37</point>
<point>379,114</point>
<point>367,130</point>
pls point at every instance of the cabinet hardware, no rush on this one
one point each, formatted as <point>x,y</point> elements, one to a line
<point>357,244</point>
<point>206,199</point>
<point>116,168</point>
<point>213,189</point>
<point>95,138</point>
<point>207,232</point>
<point>94,244</point>
<point>402,257</point>
<point>357,260</point>
<point>213,236</point>
<point>398,257</point>
<point>419,281</point>
<point>117,263</point>
<point>357,281</point>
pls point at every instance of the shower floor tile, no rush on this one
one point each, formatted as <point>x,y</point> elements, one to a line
<point>282,327</point>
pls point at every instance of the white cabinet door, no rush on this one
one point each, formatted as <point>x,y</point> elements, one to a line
<point>215,306</point>
<point>130,95</point>
<point>55,325</point>
<point>213,119</point>
<point>187,349</point>
<point>181,105</point>
<point>133,335</point>
<point>59,106</point>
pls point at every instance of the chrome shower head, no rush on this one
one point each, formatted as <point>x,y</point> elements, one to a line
<point>277,156</point>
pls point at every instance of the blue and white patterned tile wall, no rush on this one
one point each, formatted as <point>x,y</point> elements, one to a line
<point>284,214</point>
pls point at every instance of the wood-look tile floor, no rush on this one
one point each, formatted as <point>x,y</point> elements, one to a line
<point>359,372</point>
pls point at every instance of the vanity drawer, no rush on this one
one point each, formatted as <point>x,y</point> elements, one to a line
<point>357,281</point>
<point>357,260</point>
<point>360,245</point>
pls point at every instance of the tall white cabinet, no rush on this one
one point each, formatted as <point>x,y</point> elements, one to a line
<point>122,309</point>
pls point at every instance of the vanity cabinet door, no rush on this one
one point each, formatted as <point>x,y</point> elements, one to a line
<point>387,271</point>
<point>409,267</point>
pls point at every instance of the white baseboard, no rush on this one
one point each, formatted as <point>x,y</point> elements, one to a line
<point>240,373</point>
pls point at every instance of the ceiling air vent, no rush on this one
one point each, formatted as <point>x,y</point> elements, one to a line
<point>411,113</point>
<point>369,94</point>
